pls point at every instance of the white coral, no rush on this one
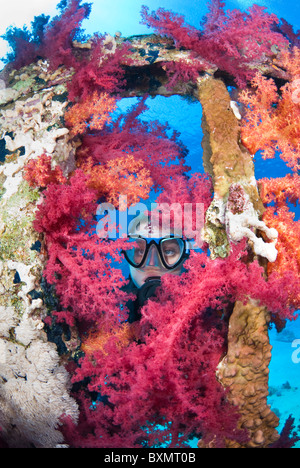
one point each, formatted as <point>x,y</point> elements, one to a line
<point>7,320</point>
<point>245,224</point>
<point>33,395</point>
<point>242,225</point>
<point>34,386</point>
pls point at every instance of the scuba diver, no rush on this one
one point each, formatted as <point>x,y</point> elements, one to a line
<point>154,253</point>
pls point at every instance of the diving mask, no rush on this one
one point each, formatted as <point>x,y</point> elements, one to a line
<point>171,251</point>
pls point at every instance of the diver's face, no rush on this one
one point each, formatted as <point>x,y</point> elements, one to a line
<point>152,265</point>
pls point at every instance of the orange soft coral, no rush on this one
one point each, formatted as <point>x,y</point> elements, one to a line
<point>272,122</point>
<point>39,172</point>
<point>256,131</point>
<point>121,176</point>
<point>97,339</point>
<point>93,112</point>
<point>280,190</point>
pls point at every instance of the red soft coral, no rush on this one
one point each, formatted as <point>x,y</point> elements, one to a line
<point>101,71</point>
<point>234,41</point>
<point>92,113</point>
<point>56,45</point>
<point>165,378</point>
<point>78,262</point>
<point>162,370</point>
<point>168,378</point>
<point>63,205</point>
<point>184,202</point>
<point>50,41</point>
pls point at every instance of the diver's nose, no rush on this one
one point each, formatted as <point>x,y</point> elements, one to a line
<point>153,257</point>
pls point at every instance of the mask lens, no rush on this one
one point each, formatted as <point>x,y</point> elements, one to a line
<point>136,251</point>
<point>172,250</point>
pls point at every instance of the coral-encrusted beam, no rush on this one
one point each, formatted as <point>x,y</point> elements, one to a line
<point>244,370</point>
<point>224,156</point>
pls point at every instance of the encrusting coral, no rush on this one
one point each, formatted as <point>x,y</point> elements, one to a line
<point>72,367</point>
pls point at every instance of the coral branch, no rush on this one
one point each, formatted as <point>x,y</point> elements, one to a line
<point>39,173</point>
<point>234,41</point>
<point>92,114</point>
<point>271,123</point>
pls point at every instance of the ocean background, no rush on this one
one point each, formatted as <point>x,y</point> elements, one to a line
<point>185,117</point>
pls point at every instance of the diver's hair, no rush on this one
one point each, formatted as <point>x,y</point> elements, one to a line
<point>153,224</point>
<point>135,225</point>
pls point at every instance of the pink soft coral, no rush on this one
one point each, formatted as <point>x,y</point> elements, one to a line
<point>100,71</point>
<point>160,370</point>
<point>77,257</point>
<point>165,375</point>
<point>52,40</point>
<point>56,45</point>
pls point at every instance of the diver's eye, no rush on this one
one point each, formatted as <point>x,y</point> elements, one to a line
<point>139,252</point>
<point>171,248</point>
<point>170,252</point>
<point>136,253</point>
